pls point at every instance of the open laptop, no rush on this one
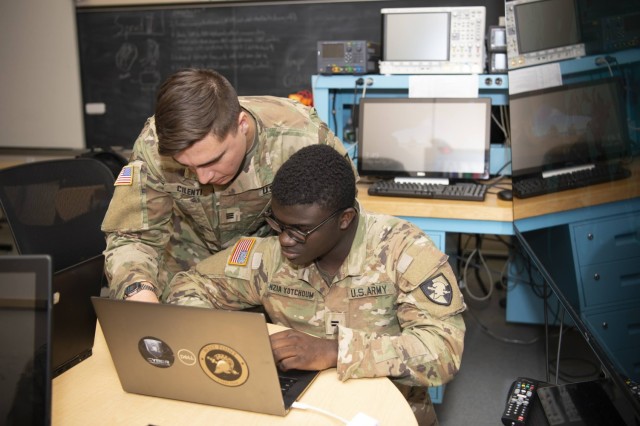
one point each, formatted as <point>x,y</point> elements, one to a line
<point>207,356</point>
<point>25,334</point>
<point>74,320</point>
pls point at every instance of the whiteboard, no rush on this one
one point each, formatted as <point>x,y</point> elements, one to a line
<point>40,88</point>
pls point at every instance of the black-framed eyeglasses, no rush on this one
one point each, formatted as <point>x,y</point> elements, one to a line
<point>294,233</point>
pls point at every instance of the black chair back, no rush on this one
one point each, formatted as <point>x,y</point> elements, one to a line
<point>56,207</point>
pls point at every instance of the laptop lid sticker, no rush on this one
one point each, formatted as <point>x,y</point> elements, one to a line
<point>223,365</point>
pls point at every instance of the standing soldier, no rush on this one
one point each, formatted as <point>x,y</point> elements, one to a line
<point>199,178</point>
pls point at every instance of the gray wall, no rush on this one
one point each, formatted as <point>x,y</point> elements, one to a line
<point>40,92</point>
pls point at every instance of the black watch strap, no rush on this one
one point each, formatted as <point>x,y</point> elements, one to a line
<point>136,287</point>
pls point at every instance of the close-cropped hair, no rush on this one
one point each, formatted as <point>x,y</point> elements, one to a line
<point>316,174</point>
<point>191,104</point>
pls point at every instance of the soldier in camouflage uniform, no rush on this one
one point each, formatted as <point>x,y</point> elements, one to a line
<point>199,178</point>
<point>369,294</point>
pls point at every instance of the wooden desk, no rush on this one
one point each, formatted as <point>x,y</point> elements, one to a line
<point>491,216</point>
<point>594,195</point>
<point>491,209</point>
<point>90,393</point>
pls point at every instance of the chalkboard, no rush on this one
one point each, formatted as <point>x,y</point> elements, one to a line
<point>263,49</point>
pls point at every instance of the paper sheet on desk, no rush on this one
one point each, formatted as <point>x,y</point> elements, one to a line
<point>444,86</point>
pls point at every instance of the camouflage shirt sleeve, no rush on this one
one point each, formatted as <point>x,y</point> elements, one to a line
<point>209,284</point>
<point>428,350</point>
<point>138,219</point>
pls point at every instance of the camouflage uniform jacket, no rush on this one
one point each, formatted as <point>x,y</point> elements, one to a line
<point>164,221</point>
<point>395,299</point>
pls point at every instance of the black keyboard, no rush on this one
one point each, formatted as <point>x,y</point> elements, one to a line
<point>456,191</point>
<point>286,383</point>
<point>537,185</point>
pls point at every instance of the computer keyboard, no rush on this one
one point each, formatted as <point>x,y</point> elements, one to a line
<point>286,383</point>
<point>537,185</point>
<point>455,191</point>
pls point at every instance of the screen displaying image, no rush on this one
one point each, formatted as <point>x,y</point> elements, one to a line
<point>25,315</point>
<point>568,126</point>
<point>546,25</point>
<point>424,137</point>
<point>416,36</point>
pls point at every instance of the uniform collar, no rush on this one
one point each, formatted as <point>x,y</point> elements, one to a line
<point>354,264</point>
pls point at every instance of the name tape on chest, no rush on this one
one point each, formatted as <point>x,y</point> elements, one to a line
<point>296,293</point>
<point>371,291</point>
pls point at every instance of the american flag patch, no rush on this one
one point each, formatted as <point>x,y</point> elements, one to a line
<point>241,251</point>
<point>125,177</point>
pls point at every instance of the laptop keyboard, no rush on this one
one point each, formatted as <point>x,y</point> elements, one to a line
<point>286,383</point>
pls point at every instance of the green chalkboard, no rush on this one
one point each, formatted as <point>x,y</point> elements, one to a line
<point>262,48</point>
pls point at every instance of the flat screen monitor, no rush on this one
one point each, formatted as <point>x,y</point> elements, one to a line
<point>403,33</point>
<point>25,330</point>
<point>433,40</point>
<point>542,31</point>
<point>568,126</point>
<point>424,137</point>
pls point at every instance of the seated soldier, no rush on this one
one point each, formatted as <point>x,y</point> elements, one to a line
<point>369,294</point>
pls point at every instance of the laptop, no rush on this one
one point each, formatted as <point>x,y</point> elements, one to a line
<point>206,356</point>
<point>579,404</point>
<point>74,320</point>
<point>25,334</point>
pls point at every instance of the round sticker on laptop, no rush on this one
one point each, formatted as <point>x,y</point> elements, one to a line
<point>223,365</point>
<point>156,352</point>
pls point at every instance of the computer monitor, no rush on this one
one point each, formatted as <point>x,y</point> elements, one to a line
<point>568,126</point>
<point>542,31</point>
<point>25,336</point>
<point>433,40</point>
<point>443,138</point>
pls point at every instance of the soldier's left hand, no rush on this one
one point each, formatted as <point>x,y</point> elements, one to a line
<point>297,350</point>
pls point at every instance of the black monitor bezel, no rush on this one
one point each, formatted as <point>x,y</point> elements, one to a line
<point>42,308</point>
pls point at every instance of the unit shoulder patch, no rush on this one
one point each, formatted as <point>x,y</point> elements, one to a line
<point>240,254</point>
<point>438,290</point>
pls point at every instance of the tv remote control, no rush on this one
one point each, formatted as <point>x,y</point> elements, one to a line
<point>521,395</point>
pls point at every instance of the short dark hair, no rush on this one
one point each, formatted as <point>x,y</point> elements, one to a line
<point>316,174</point>
<point>191,104</point>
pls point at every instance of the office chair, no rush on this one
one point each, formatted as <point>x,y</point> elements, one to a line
<point>114,161</point>
<point>56,207</point>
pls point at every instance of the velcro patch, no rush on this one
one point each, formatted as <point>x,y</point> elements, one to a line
<point>438,290</point>
<point>240,254</point>
<point>125,178</point>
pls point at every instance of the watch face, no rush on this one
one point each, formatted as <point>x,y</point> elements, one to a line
<point>132,289</point>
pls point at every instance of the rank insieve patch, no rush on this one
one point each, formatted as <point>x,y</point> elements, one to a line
<point>438,290</point>
<point>240,254</point>
<point>125,177</point>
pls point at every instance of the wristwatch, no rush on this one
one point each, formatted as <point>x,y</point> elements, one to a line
<point>136,287</point>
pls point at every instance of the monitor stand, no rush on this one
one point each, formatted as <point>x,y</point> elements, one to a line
<point>422,180</point>
<point>566,170</point>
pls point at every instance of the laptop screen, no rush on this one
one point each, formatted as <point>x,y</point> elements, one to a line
<point>25,315</point>
<point>74,324</point>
